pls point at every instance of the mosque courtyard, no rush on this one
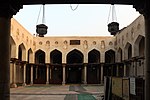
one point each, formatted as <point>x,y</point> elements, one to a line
<point>57,92</point>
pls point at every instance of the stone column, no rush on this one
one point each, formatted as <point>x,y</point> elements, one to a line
<point>125,67</point>
<point>135,68</point>
<point>64,75</point>
<point>50,76</point>
<point>24,75</point>
<point>85,74</point>
<point>117,72</point>
<point>4,57</point>
<point>147,55</point>
<point>102,73</point>
<point>13,85</point>
<point>112,67</point>
<point>7,10</point>
<point>47,74</point>
<point>36,72</point>
<point>31,75</point>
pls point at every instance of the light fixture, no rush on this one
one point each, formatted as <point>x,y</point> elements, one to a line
<point>41,29</point>
<point>113,27</point>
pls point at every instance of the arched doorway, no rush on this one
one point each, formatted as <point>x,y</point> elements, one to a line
<point>142,47</point>
<point>20,64</point>
<point>21,52</point>
<point>109,67</point>
<point>56,67</point>
<point>139,49</point>
<point>28,66</point>
<point>12,48</point>
<point>93,68</point>
<point>39,70</point>
<point>119,55</point>
<point>12,55</point>
<point>141,69</point>
<point>128,56</point>
<point>74,67</point>
<point>120,64</point>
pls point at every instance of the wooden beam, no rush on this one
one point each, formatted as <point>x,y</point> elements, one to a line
<point>32,2</point>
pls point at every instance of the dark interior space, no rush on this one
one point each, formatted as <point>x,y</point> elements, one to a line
<point>93,68</point>
<point>74,67</point>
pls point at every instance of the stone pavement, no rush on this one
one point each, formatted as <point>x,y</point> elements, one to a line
<point>57,92</point>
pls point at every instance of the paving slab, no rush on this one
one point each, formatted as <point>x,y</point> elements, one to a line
<point>57,92</point>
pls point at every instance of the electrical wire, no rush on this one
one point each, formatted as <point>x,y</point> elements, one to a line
<point>73,9</point>
<point>109,14</point>
<point>38,15</point>
<point>114,17</point>
<point>112,13</point>
<point>43,19</point>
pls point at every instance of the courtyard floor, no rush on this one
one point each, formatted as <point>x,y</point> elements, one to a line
<point>57,92</point>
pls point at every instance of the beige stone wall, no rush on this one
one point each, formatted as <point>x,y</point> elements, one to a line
<point>48,44</point>
<point>20,36</point>
<point>29,43</point>
<point>128,35</point>
<point>132,34</point>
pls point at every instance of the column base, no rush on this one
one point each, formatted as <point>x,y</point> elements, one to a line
<point>24,84</point>
<point>47,83</point>
<point>85,83</point>
<point>31,83</point>
<point>13,85</point>
<point>102,82</point>
<point>63,83</point>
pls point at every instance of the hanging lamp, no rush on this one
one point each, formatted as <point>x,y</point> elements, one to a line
<point>113,27</point>
<point>41,29</point>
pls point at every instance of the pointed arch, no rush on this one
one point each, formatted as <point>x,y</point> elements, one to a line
<point>56,70</point>
<point>30,56</point>
<point>94,56</point>
<point>93,69</point>
<point>56,57</point>
<point>12,48</point>
<point>22,52</point>
<point>139,46</point>
<point>142,47</point>
<point>128,51</point>
<point>110,56</point>
<point>75,56</point>
<point>39,72</point>
<point>39,56</point>
<point>119,55</point>
<point>74,66</point>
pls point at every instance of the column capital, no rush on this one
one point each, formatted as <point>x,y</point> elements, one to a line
<point>102,64</point>
<point>85,64</point>
<point>63,65</point>
<point>47,65</point>
<point>8,8</point>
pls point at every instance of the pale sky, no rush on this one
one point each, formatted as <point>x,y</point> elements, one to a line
<point>86,20</point>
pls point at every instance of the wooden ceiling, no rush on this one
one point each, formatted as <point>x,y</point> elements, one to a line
<point>124,2</point>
